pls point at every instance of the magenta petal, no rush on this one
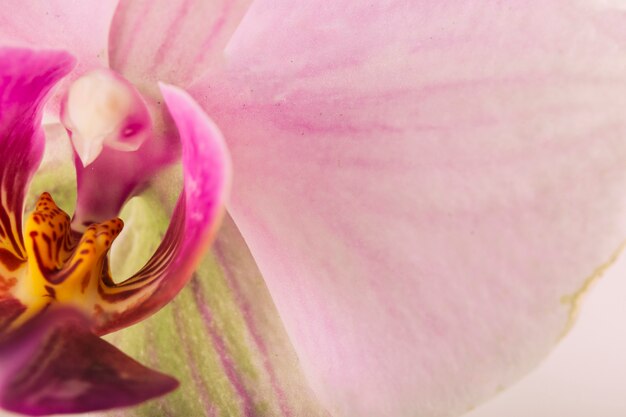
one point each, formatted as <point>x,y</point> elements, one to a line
<point>120,173</point>
<point>25,78</point>
<point>171,41</point>
<point>206,170</point>
<point>79,27</point>
<point>426,186</point>
<point>54,364</point>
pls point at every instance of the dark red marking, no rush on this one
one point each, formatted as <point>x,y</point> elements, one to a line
<point>51,292</point>
<point>10,309</point>
<point>5,285</point>
<point>8,259</point>
<point>85,282</point>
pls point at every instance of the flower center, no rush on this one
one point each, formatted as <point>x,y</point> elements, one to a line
<point>63,267</point>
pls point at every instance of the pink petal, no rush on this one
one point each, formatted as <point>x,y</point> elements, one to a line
<point>55,365</point>
<point>80,27</point>
<point>206,169</point>
<point>425,186</point>
<point>26,77</point>
<point>171,41</point>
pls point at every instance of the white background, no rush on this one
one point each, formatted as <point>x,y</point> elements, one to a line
<point>585,376</point>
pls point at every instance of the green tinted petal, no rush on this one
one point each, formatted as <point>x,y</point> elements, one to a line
<point>56,174</point>
<point>221,336</point>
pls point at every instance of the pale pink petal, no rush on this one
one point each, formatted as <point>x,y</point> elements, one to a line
<point>425,186</point>
<point>79,27</point>
<point>171,41</point>
<point>198,213</point>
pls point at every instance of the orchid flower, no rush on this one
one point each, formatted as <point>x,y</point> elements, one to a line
<point>422,193</point>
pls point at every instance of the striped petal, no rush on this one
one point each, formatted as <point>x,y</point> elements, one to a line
<point>427,187</point>
<point>233,356</point>
<point>153,41</point>
<point>25,79</point>
<point>54,364</point>
<point>171,41</point>
<point>206,171</point>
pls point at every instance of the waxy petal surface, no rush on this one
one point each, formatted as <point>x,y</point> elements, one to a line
<point>206,172</point>
<point>171,41</point>
<point>25,79</point>
<point>426,186</point>
<point>54,364</point>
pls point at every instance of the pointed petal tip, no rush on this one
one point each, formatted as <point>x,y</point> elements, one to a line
<point>87,150</point>
<point>36,377</point>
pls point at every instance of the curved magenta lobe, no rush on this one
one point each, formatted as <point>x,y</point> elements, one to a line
<point>206,168</point>
<point>25,79</point>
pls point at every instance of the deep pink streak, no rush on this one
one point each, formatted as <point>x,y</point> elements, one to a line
<point>171,32</point>
<point>244,307</point>
<point>221,349</point>
<point>153,357</point>
<point>218,25</point>
<point>122,59</point>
